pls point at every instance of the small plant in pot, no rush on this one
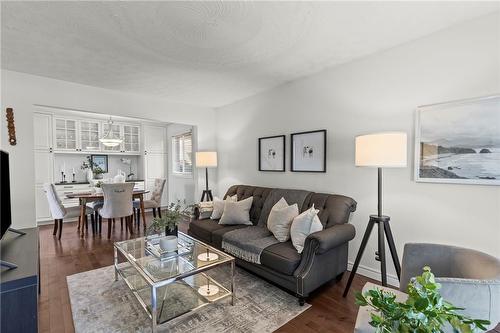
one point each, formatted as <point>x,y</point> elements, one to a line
<point>98,186</point>
<point>425,311</point>
<point>170,219</point>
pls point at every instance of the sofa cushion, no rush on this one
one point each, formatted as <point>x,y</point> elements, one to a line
<point>203,229</point>
<point>281,257</point>
<point>219,233</point>
<point>259,195</point>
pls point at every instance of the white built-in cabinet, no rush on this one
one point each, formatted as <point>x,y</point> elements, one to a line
<point>62,134</point>
<point>89,135</point>
<point>155,157</point>
<point>44,162</point>
<point>82,135</point>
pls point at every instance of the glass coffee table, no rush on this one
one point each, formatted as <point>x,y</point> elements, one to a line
<point>170,284</point>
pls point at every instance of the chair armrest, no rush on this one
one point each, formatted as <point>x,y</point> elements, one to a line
<point>332,237</point>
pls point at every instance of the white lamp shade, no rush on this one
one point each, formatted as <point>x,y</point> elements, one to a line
<point>384,150</point>
<point>206,159</point>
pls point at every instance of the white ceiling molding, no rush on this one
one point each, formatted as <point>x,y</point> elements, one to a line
<point>209,53</point>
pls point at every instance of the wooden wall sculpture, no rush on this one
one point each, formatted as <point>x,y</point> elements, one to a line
<point>11,127</point>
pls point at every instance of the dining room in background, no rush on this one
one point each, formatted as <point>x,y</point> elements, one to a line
<point>272,153</point>
<point>459,142</point>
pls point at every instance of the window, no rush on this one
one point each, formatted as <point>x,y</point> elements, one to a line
<point>182,151</point>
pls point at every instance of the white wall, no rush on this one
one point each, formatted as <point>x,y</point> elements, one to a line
<point>378,93</point>
<point>181,187</point>
<point>22,91</point>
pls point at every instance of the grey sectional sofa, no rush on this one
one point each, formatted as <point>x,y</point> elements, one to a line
<point>325,252</point>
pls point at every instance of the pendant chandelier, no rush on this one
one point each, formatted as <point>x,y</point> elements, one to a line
<point>109,140</point>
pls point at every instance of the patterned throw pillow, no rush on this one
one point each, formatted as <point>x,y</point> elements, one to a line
<point>304,225</point>
<point>205,209</point>
<point>280,219</point>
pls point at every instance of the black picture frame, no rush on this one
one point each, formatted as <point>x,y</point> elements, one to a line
<point>260,141</point>
<point>293,137</point>
<point>101,160</point>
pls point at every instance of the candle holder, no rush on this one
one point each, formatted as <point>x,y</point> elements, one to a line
<point>73,181</point>
<point>63,177</point>
<point>208,256</point>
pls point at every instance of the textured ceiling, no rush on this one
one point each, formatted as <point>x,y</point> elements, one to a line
<point>209,53</point>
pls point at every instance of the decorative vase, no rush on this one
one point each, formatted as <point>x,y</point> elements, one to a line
<point>98,176</point>
<point>90,175</point>
<point>169,232</point>
<point>168,243</point>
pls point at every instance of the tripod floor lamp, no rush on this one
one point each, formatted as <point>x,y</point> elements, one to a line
<point>381,150</point>
<point>206,159</point>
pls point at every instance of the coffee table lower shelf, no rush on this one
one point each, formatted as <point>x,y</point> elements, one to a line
<point>171,300</point>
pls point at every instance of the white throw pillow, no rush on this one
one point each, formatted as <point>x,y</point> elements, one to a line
<point>304,225</point>
<point>280,219</point>
<point>219,206</point>
<point>237,212</point>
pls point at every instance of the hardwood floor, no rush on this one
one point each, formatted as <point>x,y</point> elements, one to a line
<point>330,312</point>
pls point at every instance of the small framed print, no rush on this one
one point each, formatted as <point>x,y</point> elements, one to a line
<point>308,151</point>
<point>272,153</point>
<point>101,161</point>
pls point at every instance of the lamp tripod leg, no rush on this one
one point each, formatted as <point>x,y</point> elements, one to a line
<point>359,255</point>
<point>392,248</point>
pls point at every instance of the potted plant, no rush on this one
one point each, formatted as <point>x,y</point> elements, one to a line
<point>93,168</point>
<point>424,311</point>
<point>170,219</point>
<point>98,187</point>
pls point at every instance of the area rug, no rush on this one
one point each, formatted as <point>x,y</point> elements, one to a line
<point>99,304</point>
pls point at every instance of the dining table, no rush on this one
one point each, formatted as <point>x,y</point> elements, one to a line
<point>86,197</point>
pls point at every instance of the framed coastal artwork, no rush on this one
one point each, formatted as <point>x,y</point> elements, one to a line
<point>459,142</point>
<point>101,161</point>
<point>272,153</point>
<point>308,151</point>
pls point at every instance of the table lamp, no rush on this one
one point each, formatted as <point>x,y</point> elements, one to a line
<point>206,159</point>
<point>379,150</point>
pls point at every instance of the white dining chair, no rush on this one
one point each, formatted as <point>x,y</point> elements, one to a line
<point>117,204</point>
<point>59,212</point>
<point>153,203</point>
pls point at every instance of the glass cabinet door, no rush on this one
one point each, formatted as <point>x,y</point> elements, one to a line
<point>66,134</point>
<point>131,138</point>
<point>89,135</point>
<point>116,133</point>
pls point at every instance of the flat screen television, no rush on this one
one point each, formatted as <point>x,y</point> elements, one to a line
<point>5,210</point>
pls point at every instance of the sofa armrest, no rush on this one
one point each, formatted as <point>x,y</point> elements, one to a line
<point>321,242</point>
<point>332,237</point>
<point>196,212</point>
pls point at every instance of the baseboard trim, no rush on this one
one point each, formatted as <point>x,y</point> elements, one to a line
<point>47,222</point>
<point>372,273</point>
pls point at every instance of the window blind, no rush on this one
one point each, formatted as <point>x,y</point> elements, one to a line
<point>182,153</point>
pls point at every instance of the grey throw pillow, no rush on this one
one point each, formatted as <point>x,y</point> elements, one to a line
<point>237,212</point>
<point>280,219</point>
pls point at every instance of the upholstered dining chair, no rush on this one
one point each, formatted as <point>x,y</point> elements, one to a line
<point>59,212</point>
<point>117,203</point>
<point>469,279</point>
<point>153,203</point>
